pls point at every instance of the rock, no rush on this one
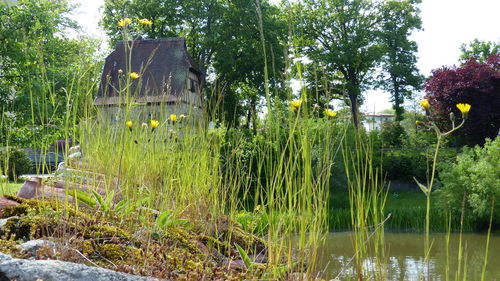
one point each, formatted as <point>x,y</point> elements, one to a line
<point>4,202</point>
<point>259,258</point>
<point>74,149</point>
<point>76,155</point>
<point>53,270</point>
<point>3,222</point>
<point>31,247</point>
<point>33,189</point>
<point>30,187</point>
<point>234,264</point>
<point>60,168</point>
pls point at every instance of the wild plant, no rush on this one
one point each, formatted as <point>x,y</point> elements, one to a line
<point>440,135</point>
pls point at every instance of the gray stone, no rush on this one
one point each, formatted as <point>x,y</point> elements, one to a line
<point>53,270</point>
<point>74,149</point>
<point>76,155</point>
<point>60,168</point>
<point>3,222</point>
<point>30,188</point>
<point>32,246</point>
<point>5,202</point>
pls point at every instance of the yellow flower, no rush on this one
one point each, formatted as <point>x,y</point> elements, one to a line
<point>464,108</point>
<point>124,22</point>
<point>173,118</point>
<point>425,104</point>
<point>154,124</point>
<point>418,122</point>
<point>330,113</point>
<point>129,124</point>
<point>295,104</point>
<point>145,22</point>
<point>134,75</point>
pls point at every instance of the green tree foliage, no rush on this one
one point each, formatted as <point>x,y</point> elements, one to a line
<point>239,59</point>
<point>223,36</point>
<point>343,36</point>
<point>480,50</point>
<point>400,76</point>
<point>14,162</point>
<point>392,134</point>
<point>198,22</point>
<point>350,38</point>
<point>37,63</point>
<point>474,175</point>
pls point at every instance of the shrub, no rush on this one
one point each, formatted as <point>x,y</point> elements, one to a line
<point>473,83</point>
<point>393,134</point>
<point>475,175</point>
<point>404,164</point>
<point>14,162</point>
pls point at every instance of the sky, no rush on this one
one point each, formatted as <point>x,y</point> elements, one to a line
<point>447,24</point>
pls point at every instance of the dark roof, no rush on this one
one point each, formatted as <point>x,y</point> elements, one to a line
<point>163,64</point>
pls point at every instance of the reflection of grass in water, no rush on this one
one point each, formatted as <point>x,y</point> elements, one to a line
<point>405,255</point>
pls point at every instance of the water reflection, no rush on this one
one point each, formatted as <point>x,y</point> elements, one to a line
<point>404,257</point>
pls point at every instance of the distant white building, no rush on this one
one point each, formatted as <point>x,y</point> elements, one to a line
<point>374,121</point>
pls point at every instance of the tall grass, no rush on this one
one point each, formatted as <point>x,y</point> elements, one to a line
<point>179,167</point>
<point>367,199</point>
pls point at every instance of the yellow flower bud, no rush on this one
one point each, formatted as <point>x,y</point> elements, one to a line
<point>154,124</point>
<point>464,108</point>
<point>124,22</point>
<point>330,113</point>
<point>295,104</point>
<point>425,104</point>
<point>134,75</point>
<point>145,22</point>
<point>129,124</point>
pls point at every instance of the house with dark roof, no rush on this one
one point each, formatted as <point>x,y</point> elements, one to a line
<point>169,81</point>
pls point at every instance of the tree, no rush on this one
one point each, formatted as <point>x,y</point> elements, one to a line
<point>223,36</point>
<point>37,62</point>
<point>198,22</point>
<point>400,76</point>
<point>239,60</point>
<point>351,38</point>
<point>343,35</point>
<point>480,50</point>
<point>477,84</point>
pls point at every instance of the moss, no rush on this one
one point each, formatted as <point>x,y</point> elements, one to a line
<point>118,254</point>
<point>177,254</point>
<point>10,247</point>
<point>102,231</point>
<point>11,211</point>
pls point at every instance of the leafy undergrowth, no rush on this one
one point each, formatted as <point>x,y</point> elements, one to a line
<point>176,253</point>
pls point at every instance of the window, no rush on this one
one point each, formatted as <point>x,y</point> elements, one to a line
<point>192,85</point>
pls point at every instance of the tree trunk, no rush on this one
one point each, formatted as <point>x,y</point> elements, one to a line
<point>354,109</point>
<point>398,110</point>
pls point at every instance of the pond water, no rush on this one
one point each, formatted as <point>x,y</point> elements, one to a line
<point>404,257</point>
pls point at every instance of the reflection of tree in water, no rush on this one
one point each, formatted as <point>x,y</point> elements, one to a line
<point>405,256</point>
